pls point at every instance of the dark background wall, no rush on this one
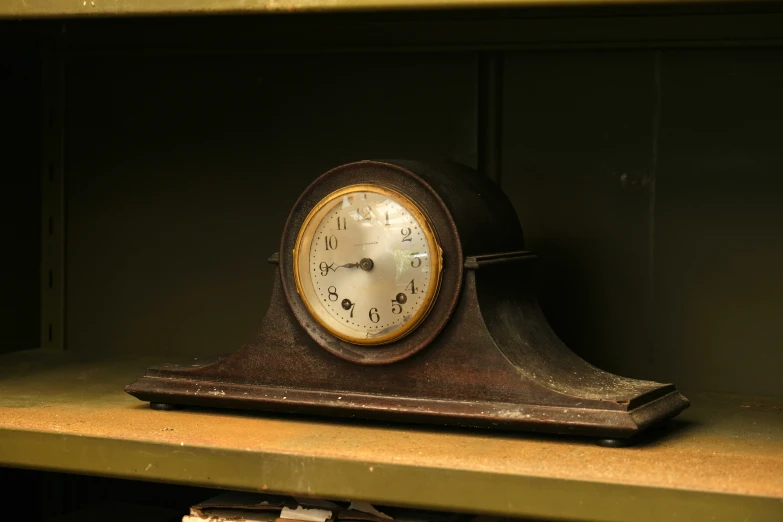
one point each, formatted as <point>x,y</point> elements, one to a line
<point>647,177</point>
<point>19,190</point>
<point>181,173</point>
<point>649,182</point>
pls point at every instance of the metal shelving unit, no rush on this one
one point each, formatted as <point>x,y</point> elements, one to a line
<point>638,140</point>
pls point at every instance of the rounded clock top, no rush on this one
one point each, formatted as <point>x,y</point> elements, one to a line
<point>372,253</point>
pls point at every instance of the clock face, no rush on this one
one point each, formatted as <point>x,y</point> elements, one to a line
<point>367,264</point>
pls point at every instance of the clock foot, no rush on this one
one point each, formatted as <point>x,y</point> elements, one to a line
<point>164,406</point>
<point>614,443</point>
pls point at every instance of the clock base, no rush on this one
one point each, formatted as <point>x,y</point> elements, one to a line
<point>489,414</point>
<point>497,364</point>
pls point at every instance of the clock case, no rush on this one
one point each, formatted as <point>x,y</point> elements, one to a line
<point>485,356</point>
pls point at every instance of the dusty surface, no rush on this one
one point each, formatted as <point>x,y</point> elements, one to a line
<point>728,444</point>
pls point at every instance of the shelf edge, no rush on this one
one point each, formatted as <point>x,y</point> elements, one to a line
<point>98,8</point>
<point>345,479</point>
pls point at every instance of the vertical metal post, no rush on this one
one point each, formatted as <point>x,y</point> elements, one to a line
<point>53,205</point>
<point>490,114</point>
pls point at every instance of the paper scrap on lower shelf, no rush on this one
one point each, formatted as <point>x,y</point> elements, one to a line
<point>230,515</point>
<point>230,506</point>
<point>308,515</point>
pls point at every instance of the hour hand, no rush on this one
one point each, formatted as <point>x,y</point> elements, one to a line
<point>365,264</point>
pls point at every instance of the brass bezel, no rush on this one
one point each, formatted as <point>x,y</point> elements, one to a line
<point>436,263</point>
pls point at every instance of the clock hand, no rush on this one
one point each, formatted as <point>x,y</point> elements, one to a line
<point>348,265</point>
<point>365,264</point>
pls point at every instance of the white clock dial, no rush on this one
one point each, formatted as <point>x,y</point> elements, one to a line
<point>368,264</point>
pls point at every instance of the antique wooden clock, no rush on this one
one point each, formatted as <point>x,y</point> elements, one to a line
<point>403,291</point>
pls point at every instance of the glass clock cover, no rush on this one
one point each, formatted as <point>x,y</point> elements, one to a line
<point>367,264</point>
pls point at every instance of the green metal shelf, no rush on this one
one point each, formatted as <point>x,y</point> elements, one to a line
<point>81,8</point>
<point>721,460</point>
